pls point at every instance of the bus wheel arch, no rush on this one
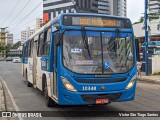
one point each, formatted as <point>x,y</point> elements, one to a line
<point>49,102</point>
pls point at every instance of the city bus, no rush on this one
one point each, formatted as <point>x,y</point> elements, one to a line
<point>82,59</point>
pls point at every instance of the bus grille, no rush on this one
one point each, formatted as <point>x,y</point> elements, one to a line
<point>92,98</point>
<point>98,81</point>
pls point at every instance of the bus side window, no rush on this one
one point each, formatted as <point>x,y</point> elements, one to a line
<point>46,42</point>
<point>31,48</point>
<point>27,49</point>
<point>40,44</point>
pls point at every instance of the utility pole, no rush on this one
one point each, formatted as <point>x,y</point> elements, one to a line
<point>146,36</point>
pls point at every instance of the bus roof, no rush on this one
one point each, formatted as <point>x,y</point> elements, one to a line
<point>56,19</point>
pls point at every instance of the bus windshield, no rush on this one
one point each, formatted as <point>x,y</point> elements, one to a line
<point>109,52</point>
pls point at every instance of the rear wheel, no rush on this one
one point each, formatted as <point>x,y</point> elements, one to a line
<point>29,84</point>
<point>49,102</point>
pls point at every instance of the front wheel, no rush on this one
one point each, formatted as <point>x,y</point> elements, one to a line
<point>49,102</point>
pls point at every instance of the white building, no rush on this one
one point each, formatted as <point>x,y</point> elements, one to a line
<point>153,30</point>
<point>38,23</point>
<point>105,6</point>
<point>122,8</point>
<point>9,39</point>
<point>26,34</point>
<point>154,6</point>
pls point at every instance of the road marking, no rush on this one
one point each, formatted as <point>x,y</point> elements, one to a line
<point>13,101</point>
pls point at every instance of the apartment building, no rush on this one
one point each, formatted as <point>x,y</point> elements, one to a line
<point>52,8</point>
<point>25,34</point>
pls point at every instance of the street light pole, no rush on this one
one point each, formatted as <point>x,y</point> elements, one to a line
<point>146,36</point>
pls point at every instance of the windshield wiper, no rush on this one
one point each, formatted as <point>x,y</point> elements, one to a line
<point>85,42</point>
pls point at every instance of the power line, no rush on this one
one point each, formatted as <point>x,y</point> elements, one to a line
<point>10,13</point>
<point>26,16</point>
<point>27,22</point>
<point>20,11</point>
<point>19,30</point>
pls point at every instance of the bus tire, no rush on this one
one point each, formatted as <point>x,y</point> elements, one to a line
<point>49,102</point>
<point>26,75</point>
<point>29,84</point>
<point>23,72</point>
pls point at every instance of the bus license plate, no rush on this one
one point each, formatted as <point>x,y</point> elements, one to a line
<point>102,101</point>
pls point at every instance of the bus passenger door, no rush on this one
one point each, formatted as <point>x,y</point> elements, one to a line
<point>55,84</point>
<point>34,70</point>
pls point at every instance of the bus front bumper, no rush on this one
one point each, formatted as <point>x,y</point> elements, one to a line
<point>66,97</point>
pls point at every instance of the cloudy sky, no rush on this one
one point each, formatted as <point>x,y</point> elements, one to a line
<point>18,14</point>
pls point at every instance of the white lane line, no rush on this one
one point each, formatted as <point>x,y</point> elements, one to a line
<point>13,101</point>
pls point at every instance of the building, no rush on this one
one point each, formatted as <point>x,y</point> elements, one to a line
<point>39,22</point>
<point>3,36</point>
<point>52,8</point>
<point>26,34</point>
<point>153,28</point>
<point>15,52</point>
<point>154,6</point>
<point>9,39</point>
<point>2,43</point>
<point>122,8</point>
<point>94,6</point>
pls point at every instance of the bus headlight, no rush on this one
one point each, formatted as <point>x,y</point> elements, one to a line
<point>131,83</point>
<point>68,85</point>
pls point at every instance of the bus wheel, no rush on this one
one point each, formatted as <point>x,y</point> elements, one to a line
<point>29,84</point>
<point>49,102</point>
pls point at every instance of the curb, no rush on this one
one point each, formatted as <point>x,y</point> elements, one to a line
<point>148,80</point>
<point>2,98</point>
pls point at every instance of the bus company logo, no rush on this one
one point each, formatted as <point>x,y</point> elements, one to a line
<point>102,87</point>
<point>6,114</point>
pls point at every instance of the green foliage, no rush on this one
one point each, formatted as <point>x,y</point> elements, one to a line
<point>152,16</point>
<point>157,73</point>
<point>9,47</point>
<point>16,45</point>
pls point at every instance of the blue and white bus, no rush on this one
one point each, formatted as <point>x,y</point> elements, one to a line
<point>81,59</point>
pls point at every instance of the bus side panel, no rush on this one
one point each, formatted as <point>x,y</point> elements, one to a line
<point>30,65</point>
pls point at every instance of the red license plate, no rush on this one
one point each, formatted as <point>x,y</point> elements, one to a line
<point>102,101</point>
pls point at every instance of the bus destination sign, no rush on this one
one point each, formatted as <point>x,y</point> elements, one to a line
<point>96,21</point>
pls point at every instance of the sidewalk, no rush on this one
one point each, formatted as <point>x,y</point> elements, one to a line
<point>152,79</point>
<point>6,103</point>
<point>2,98</point>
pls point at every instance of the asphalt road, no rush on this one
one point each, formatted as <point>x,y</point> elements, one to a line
<point>29,99</point>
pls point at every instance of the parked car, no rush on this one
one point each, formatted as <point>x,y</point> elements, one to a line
<point>8,59</point>
<point>16,60</point>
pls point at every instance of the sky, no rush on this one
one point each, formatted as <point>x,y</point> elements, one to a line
<point>19,14</point>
